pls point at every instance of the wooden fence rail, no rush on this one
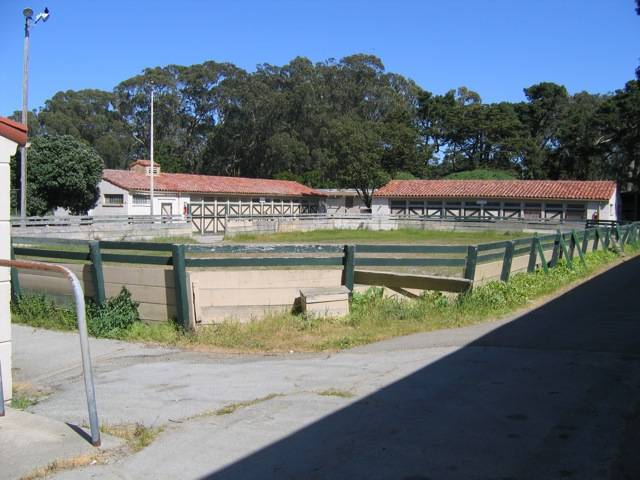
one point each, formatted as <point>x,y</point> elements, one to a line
<point>179,258</point>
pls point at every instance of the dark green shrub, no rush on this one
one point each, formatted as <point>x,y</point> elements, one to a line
<point>115,317</point>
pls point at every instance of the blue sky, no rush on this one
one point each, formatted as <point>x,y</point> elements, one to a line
<point>496,47</point>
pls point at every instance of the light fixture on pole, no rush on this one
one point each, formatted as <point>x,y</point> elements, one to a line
<point>28,17</point>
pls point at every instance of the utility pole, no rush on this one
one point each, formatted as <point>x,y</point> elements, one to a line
<point>151,155</point>
<point>25,102</point>
<point>28,16</point>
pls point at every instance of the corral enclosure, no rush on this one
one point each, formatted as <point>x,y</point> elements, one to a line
<point>201,284</point>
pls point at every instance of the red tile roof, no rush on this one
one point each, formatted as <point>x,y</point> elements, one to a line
<point>187,183</point>
<point>14,131</point>
<point>533,189</point>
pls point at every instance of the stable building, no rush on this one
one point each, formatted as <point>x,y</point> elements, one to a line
<point>208,199</point>
<point>525,200</point>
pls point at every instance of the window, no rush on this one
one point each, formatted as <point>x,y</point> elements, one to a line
<point>348,202</point>
<point>398,207</point>
<point>112,200</point>
<point>532,210</point>
<point>141,200</point>
<point>553,210</point>
<point>576,211</point>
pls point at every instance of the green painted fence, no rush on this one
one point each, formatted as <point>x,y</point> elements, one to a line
<point>181,257</point>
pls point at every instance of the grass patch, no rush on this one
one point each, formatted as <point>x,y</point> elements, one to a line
<point>25,395</point>
<point>372,317</point>
<point>174,239</point>
<point>406,235</point>
<point>335,392</point>
<point>61,465</point>
<point>232,407</point>
<point>137,435</point>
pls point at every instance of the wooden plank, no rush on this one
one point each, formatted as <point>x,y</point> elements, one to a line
<point>143,294</point>
<point>409,262</point>
<point>212,297</point>
<point>404,280</point>
<point>45,284</point>
<point>264,248</point>
<point>141,259</point>
<point>262,262</point>
<point>148,246</point>
<point>153,312</point>
<point>96,271</point>
<point>471,262</point>
<point>493,246</point>
<point>180,282</point>
<point>47,241</point>
<point>490,257</point>
<point>507,261</point>
<point>411,248</point>
<point>349,266</point>
<point>298,278</point>
<point>42,253</point>
<point>132,275</point>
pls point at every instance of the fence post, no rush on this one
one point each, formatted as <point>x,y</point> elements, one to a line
<point>96,271</point>
<point>607,239</point>
<point>543,261</point>
<point>470,264</point>
<point>596,239</point>
<point>585,240</point>
<point>574,237</point>
<point>565,252</point>
<point>532,253</point>
<point>507,260</point>
<point>349,262</point>
<point>180,280</point>
<point>15,281</point>
<point>625,237</point>
<point>555,255</point>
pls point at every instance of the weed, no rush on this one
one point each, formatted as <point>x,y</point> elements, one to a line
<point>24,395</point>
<point>232,407</point>
<point>137,435</point>
<point>66,464</point>
<point>334,392</point>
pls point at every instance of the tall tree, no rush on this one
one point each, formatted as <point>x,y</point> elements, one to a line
<point>63,172</point>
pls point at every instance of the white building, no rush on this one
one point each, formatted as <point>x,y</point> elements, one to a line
<point>210,200</point>
<point>529,200</point>
<point>343,201</point>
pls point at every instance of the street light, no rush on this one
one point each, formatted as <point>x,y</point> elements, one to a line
<point>28,17</point>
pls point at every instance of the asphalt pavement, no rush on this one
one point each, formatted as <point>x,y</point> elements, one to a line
<point>553,393</point>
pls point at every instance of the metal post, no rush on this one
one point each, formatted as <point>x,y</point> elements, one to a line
<point>25,103</point>
<point>82,330</point>
<point>151,155</point>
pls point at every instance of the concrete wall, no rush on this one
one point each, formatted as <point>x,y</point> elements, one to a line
<point>241,295</point>
<point>151,287</point>
<point>272,225</point>
<point>107,231</point>
<point>7,149</point>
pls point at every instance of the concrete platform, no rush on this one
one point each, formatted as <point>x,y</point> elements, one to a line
<point>29,441</point>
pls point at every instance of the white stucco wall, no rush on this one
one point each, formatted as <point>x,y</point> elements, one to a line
<point>7,149</point>
<point>109,188</point>
<point>380,206</point>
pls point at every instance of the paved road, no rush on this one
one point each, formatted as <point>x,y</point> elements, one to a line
<point>552,394</point>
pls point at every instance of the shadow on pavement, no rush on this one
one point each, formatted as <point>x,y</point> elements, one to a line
<point>552,394</point>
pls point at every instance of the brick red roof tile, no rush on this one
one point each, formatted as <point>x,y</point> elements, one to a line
<point>14,131</point>
<point>188,183</point>
<point>530,189</point>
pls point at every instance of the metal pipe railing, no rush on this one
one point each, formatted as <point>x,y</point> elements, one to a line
<point>82,330</point>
